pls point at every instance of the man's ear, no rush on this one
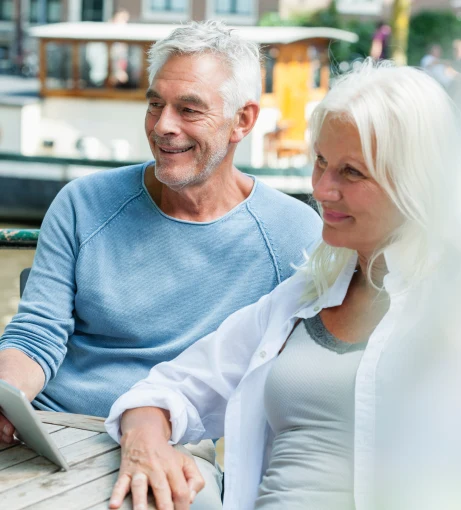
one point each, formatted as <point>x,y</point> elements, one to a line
<point>246,119</point>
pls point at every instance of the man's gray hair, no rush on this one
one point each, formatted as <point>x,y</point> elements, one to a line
<point>213,37</point>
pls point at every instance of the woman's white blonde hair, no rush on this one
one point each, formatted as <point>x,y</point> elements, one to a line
<point>411,141</point>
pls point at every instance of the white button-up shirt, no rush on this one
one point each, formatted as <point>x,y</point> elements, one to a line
<point>215,388</point>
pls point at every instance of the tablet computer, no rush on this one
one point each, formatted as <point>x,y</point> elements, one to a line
<point>15,406</point>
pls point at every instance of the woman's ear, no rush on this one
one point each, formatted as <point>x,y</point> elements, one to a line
<point>246,119</point>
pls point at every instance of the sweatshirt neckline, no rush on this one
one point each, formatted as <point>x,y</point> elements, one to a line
<point>189,222</point>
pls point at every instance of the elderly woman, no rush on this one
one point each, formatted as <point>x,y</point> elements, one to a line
<point>315,382</point>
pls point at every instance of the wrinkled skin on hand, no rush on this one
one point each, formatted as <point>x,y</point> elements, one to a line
<point>149,461</point>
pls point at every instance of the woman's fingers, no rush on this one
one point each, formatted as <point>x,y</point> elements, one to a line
<point>174,478</point>
<point>162,491</point>
<point>180,491</point>
<point>193,478</point>
<point>121,489</point>
<point>139,488</point>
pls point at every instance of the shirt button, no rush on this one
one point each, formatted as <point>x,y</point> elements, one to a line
<point>317,308</point>
<point>262,354</point>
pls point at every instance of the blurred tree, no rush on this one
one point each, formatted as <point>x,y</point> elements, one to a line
<point>330,17</point>
<point>432,27</point>
<point>273,19</point>
<point>400,29</point>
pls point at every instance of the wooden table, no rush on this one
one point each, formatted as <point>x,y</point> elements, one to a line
<point>33,482</point>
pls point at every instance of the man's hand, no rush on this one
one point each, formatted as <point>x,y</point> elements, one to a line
<point>6,431</point>
<point>17,369</point>
<point>149,461</point>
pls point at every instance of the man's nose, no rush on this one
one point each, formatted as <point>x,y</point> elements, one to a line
<point>167,123</point>
<point>327,187</point>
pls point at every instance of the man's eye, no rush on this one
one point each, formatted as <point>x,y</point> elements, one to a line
<point>153,106</point>
<point>189,111</point>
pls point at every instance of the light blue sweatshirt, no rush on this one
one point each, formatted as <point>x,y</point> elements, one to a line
<point>117,286</point>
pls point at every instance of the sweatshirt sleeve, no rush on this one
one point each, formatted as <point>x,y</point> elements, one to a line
<point>45,317</point>
<point>195,386</point>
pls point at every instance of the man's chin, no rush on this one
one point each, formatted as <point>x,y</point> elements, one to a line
<point>173,179</point>
<point>177,179</point>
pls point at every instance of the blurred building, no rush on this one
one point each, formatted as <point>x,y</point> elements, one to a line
<point>17,15</point>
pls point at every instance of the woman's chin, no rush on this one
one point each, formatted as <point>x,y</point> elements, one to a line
<point>335,241</point>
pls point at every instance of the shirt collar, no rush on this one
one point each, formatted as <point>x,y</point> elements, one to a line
<point>394,282</point>
<point>335,294</point>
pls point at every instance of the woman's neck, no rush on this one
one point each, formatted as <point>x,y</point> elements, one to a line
<point>378,272</point>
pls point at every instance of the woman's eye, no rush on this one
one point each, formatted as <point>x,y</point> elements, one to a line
<point>320,161</point>
<point>352,172</point>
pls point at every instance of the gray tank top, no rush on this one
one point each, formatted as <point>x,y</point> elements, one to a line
<point>309,403</point>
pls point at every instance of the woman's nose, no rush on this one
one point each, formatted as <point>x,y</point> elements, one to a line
<point>325,187</point>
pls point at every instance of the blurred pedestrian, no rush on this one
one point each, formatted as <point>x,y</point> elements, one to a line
<point>380,42</point>
<point>439,69</point>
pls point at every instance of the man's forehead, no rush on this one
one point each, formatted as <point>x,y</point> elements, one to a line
<point>201,70</point>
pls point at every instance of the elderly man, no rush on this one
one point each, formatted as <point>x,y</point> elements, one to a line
<point>135,264</point>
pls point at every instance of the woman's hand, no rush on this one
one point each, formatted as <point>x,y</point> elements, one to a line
<point>149,461</point>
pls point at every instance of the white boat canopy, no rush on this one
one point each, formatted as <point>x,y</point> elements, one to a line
<point>141,32</point>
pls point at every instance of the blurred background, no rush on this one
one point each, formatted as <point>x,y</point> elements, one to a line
<point>73,79</point>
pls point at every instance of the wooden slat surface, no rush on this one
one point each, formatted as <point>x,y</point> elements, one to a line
<point>29,481</point>
<point>24,472</point>
<point>50,427</point>
<point>97,491</point>
<point>89,448</point>
<point>77,421</point>
<point>61,482</point>
<point>126,505</point>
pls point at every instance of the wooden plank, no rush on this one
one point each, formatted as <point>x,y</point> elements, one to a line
<point>62,438</point>
<point>5,446</point>
<point>24,472</point>
<point>89,448</point>
<point>104,93</point>
<point>77,421</point>
<point>97,491</point>
<point>15,455</point>
<point>75,65</point>
<point>60,482</point>
<point>43,64</point>
<point>68,436</point>
<point>50,428</point>
<point>126,505</point>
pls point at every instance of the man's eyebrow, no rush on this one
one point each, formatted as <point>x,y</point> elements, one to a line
<point>152,94</point>
<point>193,99</point>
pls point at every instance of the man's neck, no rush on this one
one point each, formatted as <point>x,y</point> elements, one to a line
<point>203,202</point>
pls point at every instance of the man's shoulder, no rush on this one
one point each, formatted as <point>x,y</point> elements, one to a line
<point>290,227</point>
<point>103,189</point>
<point>280,207</point>
<point>91,201</point>
<point>126,177</point>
